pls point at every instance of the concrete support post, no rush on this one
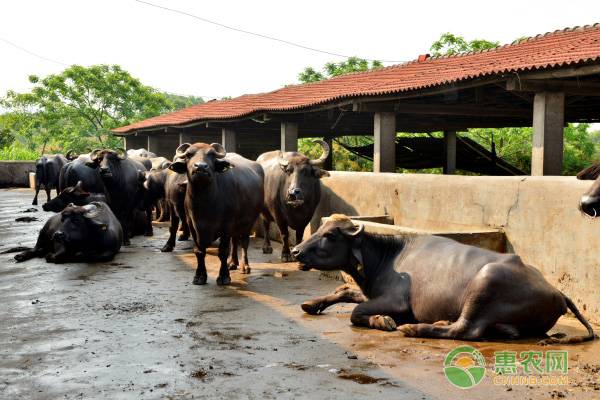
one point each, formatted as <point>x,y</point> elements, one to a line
<point>229,140</point>
<point>548,131</point>
<point>289,136</point>
<point>449,152</point>
<point>328,164</point>
<point>152,144</point>
<point>384,150</point>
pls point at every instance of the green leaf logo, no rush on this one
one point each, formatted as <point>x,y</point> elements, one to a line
<point>464,367</point>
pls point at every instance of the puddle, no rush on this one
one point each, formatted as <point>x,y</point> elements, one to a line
<point>358,377</point>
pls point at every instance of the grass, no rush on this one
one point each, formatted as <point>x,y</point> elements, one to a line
<point>12,153</point>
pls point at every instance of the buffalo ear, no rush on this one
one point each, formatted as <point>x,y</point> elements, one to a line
<point>222,165</point>
<point>178,166</point>
<point>353,232</point>
<point>320,173</point>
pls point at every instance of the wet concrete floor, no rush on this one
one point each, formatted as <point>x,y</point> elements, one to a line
<point>137,328</point>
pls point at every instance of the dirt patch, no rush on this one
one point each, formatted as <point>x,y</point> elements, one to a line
<point>26,219</point>
<point>199,374</point>
<point>359,377</point>
<point>133,307</point>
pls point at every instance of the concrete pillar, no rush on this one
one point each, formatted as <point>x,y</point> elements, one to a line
<point>229,140</point>
<point>548,130</point>
<point>328,164</point>
<point>384,150</point>
<point>449,152</point>
<point>152,144</point>
<point>289,136</point>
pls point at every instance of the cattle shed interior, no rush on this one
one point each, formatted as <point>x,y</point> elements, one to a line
<point>542,82</point>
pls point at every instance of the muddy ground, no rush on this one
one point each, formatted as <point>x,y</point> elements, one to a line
<point>137,328</point>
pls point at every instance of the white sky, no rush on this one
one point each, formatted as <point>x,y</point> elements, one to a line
<point>180,54</point>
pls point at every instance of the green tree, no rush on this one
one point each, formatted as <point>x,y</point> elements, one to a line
<point>177,101</point>
<point>77,107</point>
<point>449,44</point>
<point>331,69</point>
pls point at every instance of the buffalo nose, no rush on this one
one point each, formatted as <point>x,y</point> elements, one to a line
<point>201,166</point>
<point>104,170</point>
<point>295,252</point>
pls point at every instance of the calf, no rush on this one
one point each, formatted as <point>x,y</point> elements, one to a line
<point>590,201</point>
<point>73,195</point>
<point>87,233</point>
<point>433,286</point>
<point>47,173</point>
<point>224,197</point>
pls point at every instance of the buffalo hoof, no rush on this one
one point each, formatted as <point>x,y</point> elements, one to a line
<point>246,270</point>
<point>383,323</point>
<point>409,330</point>
<point>34,203</point>
<point>182,237</point>
<point>232,266</point>
<point>286,257</point>
<point>21,257</point>
<point>267,250</point>
<point>199,280</point>
<point>223,280</point>
<point>312,307</point>
<point>149,233</point>
<point>167,248</point>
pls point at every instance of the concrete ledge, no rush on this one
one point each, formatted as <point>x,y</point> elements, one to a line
<point>15,173</point>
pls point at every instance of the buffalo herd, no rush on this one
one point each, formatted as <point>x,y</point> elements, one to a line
<point>423,286</point>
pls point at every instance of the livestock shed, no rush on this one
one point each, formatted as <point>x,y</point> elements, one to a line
<point>544,81</point>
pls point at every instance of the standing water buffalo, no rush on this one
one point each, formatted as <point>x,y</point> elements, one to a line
<point>292,192</point>
<point>77,171</point>
<point>47,173</point>
<point>123,179</point>
<point>168,187</point>
<point>89,233</point>
<point>224,197</point>
<point>422,282</point>
<point>590,201</point>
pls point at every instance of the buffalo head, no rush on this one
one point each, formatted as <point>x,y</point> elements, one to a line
<point>590,201</point>
<point>105,160</point>
<point>335,245</point>
<point>301,174</point>
<point>200,161</point>
<point>79,224</point>
<point>72,194</point>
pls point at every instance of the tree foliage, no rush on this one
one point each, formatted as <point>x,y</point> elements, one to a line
<point>331,69</point>
<point>77,108</point>
<point>449,44</point>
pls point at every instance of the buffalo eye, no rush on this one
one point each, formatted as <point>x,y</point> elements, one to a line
<point>329,236</point>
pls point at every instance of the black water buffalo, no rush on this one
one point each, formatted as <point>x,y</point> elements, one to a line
<point>89,233</point>
<point>292,192</point>
<point>224,197</point>
<point>123,179</point>
<point>77,171</point>
<point>76,195</point>
<point>590,201</point>
<point>47,173</point>
<point>430,286</point>
<point>170,187</point>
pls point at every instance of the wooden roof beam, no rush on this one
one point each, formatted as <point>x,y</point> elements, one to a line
<point>442,109</point>
<point>581,88</point>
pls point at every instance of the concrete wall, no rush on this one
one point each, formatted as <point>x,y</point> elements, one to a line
<point>15,173</point>
<point>538,215</point>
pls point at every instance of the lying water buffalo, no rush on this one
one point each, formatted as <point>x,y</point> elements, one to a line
<point>224,197</point>
<point>47,173</point>
<point>590,201</point>
<point>76,195</point>
<point>123,179</point>
<point>170,187</point>
<point>422,282</point>
<point>87,233</point>
<point>292,192</point>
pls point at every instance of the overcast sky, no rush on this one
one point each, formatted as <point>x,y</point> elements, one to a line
<point>180,54</point>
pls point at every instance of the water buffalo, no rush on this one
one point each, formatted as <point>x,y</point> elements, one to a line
<point>170,187</point>
<point>140,153</point>
<point>430,286</point>
<point>224,196</point>
<point>123,179</point>
<point>77,171</point>
<point>292,192</point>
<point>590,201</point>
<point>76,195</point>
<point>47,173</point>
<point>89,233</point>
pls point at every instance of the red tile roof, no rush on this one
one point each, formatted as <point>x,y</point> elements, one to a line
<point>551,50</point>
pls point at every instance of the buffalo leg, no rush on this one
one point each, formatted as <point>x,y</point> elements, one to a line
<point>148,230</point>
<point>344,294</point>
<point>35,200</point>
<point>244,242</point>
<point>47,189</point>
<point>461,329</point>
<point>172,232</point>
<point>299,236</point>
<point>286,256</point>
<point>125,225</point>
<point>224,278</point>
<point>185,229</point>
<point>200,277</point>
<point>29,254</point>
<point>266,249</point>
<point>233,261</point>
<point>379,313</point>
